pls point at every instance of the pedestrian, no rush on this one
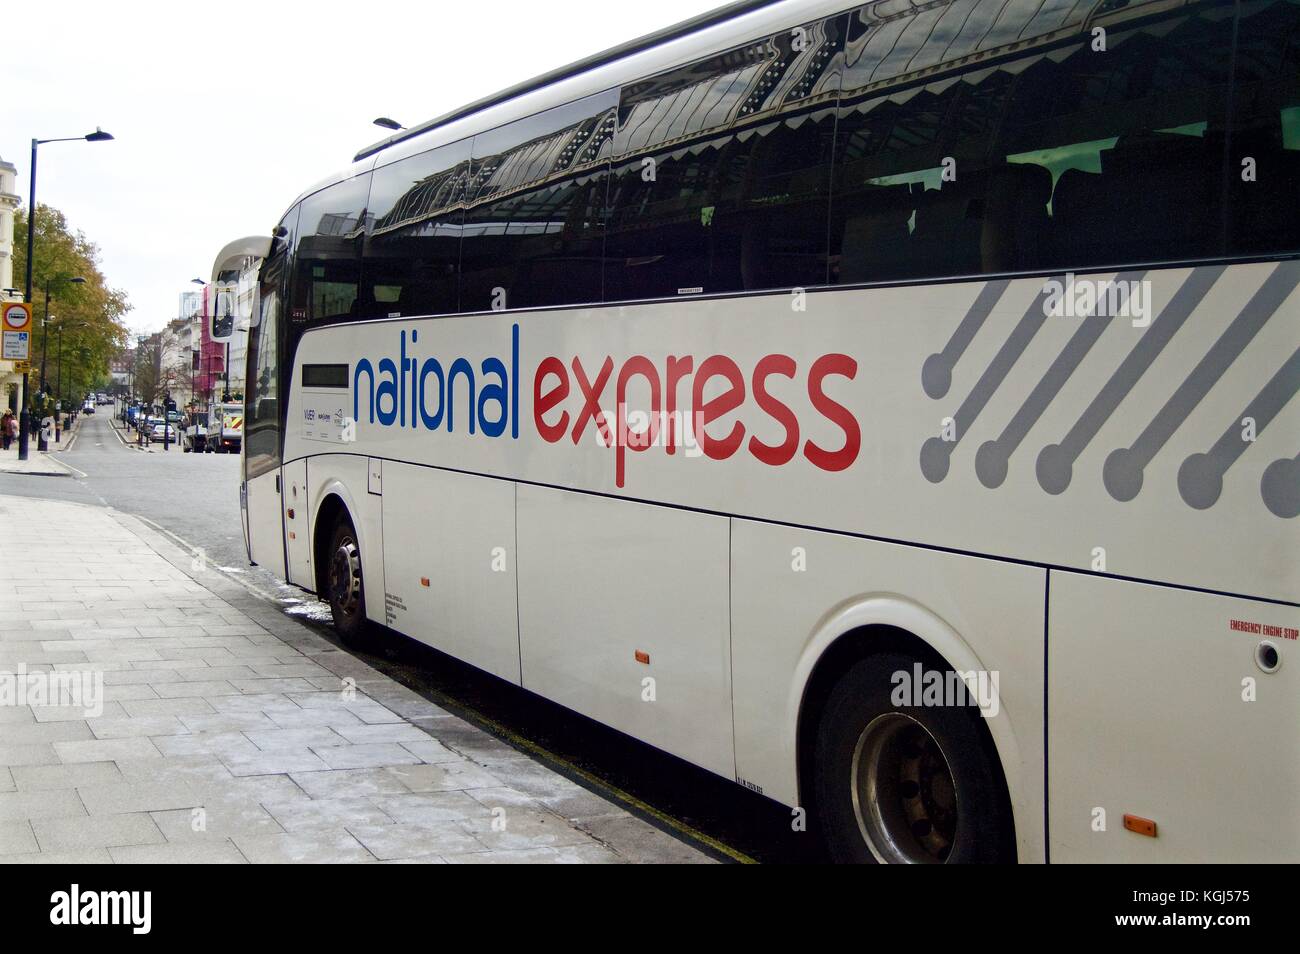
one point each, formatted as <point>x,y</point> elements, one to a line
<point>8,429</point>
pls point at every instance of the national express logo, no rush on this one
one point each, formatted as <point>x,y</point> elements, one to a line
<point>571,399</point>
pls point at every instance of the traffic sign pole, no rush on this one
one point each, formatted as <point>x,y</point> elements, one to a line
<point>17,333</point>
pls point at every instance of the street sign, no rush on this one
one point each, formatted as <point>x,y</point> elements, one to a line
<point>22,367</point>
<point>17,332</point>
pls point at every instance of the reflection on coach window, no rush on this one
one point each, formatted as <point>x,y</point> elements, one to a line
<point>722,170</point>
<point>533,223</point>
<point>262,389</point>
<point>1265,130</point>
<point>327,260</point>
<point>412,245</point>
<point>1034,150</point>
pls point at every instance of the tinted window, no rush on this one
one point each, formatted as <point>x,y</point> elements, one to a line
<point>1065,156</point>
<point>327,255</point>
<point>412,249</point>
<point>1264,167</point>
<point>533,222</point>
<point>722,170</point>
<point>262,378</point>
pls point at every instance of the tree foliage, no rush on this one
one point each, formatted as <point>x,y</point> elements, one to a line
<point>89,315</point>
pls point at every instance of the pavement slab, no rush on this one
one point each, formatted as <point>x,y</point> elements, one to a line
<point>226,731</point>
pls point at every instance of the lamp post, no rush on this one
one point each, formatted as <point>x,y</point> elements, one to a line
<point>58,409</point>
<point>45,347</point>
<point>45,321</point>
<point>24,416</point>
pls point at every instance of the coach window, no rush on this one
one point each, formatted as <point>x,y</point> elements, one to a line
<point>412,245</point>
<point>1133,138</point>
<point>722,170</point>
<point>1264,154</point>
<point>1095,151</point>
<point>533,224</point>
<point>262,425</point>
<point>327,256</point>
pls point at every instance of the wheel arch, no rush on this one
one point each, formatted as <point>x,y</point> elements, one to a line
<point>870,625</point>
<point>335,501</point>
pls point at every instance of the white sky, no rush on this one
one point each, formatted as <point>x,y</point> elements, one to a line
<point>224,112</point>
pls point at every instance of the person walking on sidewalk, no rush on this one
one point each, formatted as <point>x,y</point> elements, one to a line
<point>8,428</point>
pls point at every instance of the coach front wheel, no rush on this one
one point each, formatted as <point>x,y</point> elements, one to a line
<point>345,586</point>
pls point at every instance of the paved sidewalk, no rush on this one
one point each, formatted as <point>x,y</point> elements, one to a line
<point>231,733</point>
<point>39,463</point>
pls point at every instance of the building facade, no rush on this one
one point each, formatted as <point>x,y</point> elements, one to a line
<point>10,379</point>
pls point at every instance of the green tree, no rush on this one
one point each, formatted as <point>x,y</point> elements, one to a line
<point>89,315</point>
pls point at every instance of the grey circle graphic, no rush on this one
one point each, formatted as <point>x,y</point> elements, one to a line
<point>1280,487</point>
<point>1054,468</point>
<point>934,459</point>
<point>936,376</point>
<point>1200,481</point>
<point>1122,474</point>
<point>991,464</point>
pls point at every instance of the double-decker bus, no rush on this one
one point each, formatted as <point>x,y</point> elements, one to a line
<point>889,407</point>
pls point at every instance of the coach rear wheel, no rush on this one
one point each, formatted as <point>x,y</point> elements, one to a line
<point>903,784</point>
<point>903,793</point>
<point>345,586</point>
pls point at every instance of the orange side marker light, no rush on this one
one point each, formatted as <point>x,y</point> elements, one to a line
<point>424,581</point>
<point>643,658</point>
<point>1143,826</point>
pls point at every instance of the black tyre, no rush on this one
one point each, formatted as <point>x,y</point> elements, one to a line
<point>899,784</point>
<point>344,586</point>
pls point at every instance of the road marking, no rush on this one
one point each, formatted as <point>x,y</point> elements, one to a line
<point>71,468</point>
<point>190,548</point>
<point>118,435</point>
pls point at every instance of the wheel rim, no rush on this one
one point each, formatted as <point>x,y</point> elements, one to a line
<point>345,578</point>
<point>904,795</point>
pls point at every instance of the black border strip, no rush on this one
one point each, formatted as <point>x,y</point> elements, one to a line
<point>303,328</point>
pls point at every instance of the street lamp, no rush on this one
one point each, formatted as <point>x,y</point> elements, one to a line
<point>45,349</point>
<point>24,416</point>
<point>387,123</point>
<point>45,321</point>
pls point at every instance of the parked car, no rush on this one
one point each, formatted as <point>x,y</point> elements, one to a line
<point>160,430</point>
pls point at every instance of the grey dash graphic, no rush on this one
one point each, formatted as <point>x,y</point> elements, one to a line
<point>936,373</point>
<point>936,453</point>
<point>1125,467</point>
<point>1055,466</point>
<point>1280,487</point>
<point>1200,479</point>
<point>993,456</point>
